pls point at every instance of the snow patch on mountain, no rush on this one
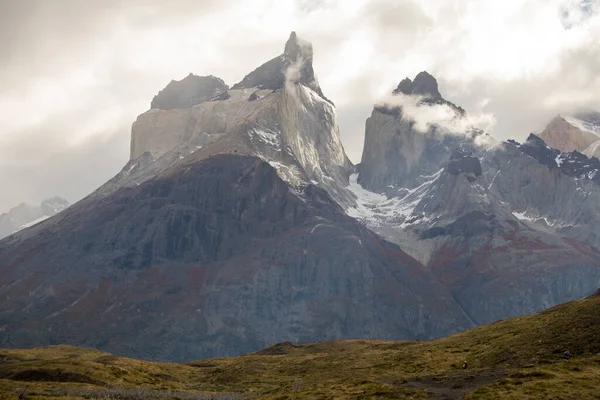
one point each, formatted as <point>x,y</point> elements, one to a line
<point>289,173</point>
<point>271,138</point>
<point>376,209</point>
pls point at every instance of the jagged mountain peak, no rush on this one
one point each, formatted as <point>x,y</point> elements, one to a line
<point>277,112</point>
<point>424,84</point>
<point>295,47</point>
<point>294,65</point>
<point>573,164</point>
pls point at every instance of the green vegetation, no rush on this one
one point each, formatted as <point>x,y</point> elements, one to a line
<point>518,358</point>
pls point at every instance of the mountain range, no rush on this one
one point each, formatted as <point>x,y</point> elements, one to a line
<point>239,222</point>
<point>25,215</point>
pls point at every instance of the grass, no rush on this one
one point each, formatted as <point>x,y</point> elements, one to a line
<point>518,358</point>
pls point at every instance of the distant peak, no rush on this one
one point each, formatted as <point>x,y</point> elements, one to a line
<point>424,84</point>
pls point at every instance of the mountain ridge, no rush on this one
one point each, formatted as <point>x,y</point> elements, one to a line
<point>25,215</point>
<point>239,221</point>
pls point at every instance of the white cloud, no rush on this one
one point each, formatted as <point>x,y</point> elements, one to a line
<point>441,115</point>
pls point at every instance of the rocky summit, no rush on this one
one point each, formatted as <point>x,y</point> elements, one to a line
<point>239,222</point>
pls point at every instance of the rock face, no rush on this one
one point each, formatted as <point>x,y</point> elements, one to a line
<point>396,154</point>
<point>287,122</point>
<point>25,215</point>
<point>212,258</point>
<point>188,92</point>
<point>423,85</point>
<point>463,162</point>
<point>569,133</point>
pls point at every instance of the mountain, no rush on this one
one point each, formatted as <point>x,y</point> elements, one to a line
<point>519,358</point>
<point>277,112</point>
<point>580,132</point>
<point>222,235</point>
<point>26,215</point>
<point>239,222</point>
<point>508,228</point>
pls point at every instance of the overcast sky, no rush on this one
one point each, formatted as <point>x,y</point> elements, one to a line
<point>74,74</point>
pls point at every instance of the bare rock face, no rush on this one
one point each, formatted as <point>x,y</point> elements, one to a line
<point>213,258</point>
<point>188,92</point>
<point>423,85</point>
<point>395,153</point>
<point>463,162</point>
<point>278,113</point>
<point>567,134</point>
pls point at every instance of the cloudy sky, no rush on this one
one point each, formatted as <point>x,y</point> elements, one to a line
<point>74,74</point>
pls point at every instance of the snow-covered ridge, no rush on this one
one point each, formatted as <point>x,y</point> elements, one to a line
<point>375,209</point>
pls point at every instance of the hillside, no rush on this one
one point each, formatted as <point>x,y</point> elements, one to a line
<point>517,358</point>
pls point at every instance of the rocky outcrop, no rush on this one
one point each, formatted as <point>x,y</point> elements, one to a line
<point>287,122</point>
<point>573,164</point>
<point>212,258</point>
<point>463,162</point>
<point>396,154</point>
<point>189,91</point>
<point>572,133</point>
<point>25,215</point>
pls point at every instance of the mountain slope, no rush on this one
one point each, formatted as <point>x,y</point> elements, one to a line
<point>518,358</point>
<point>217,257</point>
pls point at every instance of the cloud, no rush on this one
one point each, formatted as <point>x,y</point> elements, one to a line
<point>442,116</point>
<point>76,74</point>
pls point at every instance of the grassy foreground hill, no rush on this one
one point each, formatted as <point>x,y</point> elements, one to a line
<point>517,358</point>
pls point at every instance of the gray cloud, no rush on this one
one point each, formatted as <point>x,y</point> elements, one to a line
<point>76,74</point>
